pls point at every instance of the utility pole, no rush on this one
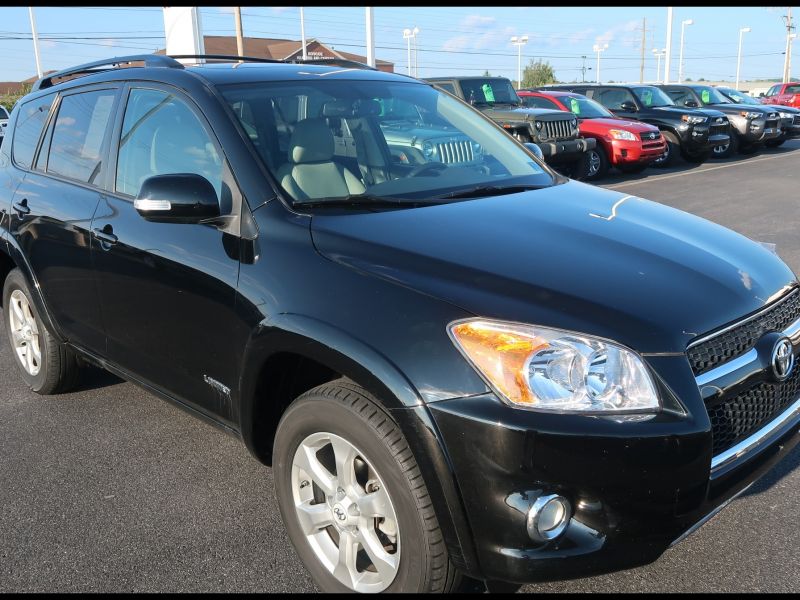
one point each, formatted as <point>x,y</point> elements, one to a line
<point>669,45</point>
<point>239,36</point>
<point>583,69</point>
<point>35,43</point>
<point>787,60</point>
<point>644,42</point>
<point>370,36</point>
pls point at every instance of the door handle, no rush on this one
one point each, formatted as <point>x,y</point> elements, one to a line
<point>105,235</point>
<point>21,207</point>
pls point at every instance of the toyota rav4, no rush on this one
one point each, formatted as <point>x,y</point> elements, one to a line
<point>463,374</point>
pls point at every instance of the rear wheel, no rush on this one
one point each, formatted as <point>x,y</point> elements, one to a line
<point>670,152</point>
<point>352,497</point>
<point>46,364</point>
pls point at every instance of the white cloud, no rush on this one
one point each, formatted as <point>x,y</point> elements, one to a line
<point>485,33</point>
<point>610,35</point>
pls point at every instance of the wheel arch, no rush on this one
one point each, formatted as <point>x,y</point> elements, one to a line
<point>292,354</point>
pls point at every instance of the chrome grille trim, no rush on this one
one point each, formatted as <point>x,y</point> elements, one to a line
<point>455,152</point>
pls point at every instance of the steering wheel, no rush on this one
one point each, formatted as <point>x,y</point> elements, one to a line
<point>430,166</point>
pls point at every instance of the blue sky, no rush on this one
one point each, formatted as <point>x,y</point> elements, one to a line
<point>462,40</point>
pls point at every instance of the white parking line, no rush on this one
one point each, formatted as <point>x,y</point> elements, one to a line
<point>696,171</point>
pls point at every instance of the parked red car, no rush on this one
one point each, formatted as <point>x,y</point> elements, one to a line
<point>628,145</point>
<point>787,94</point>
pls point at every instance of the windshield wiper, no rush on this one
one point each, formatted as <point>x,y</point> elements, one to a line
<point>364,201</point>
<point>490,190</point>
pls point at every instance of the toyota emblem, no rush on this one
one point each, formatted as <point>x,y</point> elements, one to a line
<point>782,359</point>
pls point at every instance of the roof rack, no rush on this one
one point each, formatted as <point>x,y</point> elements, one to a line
<point>338,62</point>
<point>227,57</point>
<point>149,60</point>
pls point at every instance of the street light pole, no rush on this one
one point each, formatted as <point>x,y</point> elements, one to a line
<point>658,54</point>
<point>680,60</point>
<point>668,49</point>
<point>303,34</point>
<point>598,48</point>
<point>788,62</point>
<point>407,35</point>
<point>739,59</point>
<point>519,42</point>
<point>416,55</point>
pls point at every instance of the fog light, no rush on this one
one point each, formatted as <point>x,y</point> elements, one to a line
<point>548,517</point>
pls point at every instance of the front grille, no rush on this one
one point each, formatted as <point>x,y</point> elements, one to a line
<point>454,152</point>
<point>735,342</point>
<point>718,129</point>
<point>771,124</point>
<point>796,120</point>
<point>737,418</point>
<point>557,130</point>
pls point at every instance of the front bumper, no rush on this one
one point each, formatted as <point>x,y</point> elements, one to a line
<point>637,486</point>
<point>625,152</point>
<point>701,138</point>
<point>566,150</point>
<point>760,130</point>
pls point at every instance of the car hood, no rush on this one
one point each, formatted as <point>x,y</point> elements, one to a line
<point>512,113</point>
<point>613,123</point>
<point>572,256</point>
<point>677,111</point>
<point>737,108</point>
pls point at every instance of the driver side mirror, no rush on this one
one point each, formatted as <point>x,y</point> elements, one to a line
<point>691,104</point>
<point>177,198</point>
<point>761,94</point>
<point>534,149</point>
<point>628,106</point>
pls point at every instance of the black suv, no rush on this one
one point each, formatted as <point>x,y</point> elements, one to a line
<point>692,131</point>
<point>751,126</point>
<point>461,375</point>
<point>556,134</point>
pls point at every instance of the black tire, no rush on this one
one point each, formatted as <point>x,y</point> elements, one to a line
<point>634,168</point>
<point>747,149</point>
<point>59,368</point>
<point>727,151</point>
<point>672,151</point>
<point>696,158</point>
<point>344,409</point>
<point>774,143</point>
<point>593,165</point>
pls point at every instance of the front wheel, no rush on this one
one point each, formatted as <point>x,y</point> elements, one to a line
<point>696,158</point>
<point>352,497</point>
<point>727,150</point>
<point>593,165</point>
<point>45,363</point>
<point>774,143</point>
<point>670,152</point>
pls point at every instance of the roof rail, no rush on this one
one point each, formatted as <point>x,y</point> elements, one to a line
<point>149,60</point>
<point>227,57</point>
<point>337,62</point>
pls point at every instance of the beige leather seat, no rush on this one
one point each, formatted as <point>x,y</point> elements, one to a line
<point>311,172</point>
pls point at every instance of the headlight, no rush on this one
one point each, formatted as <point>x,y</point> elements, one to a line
<point>476,148</point>
<point>693,119</point>
<point>574,122</point>
<point>620,134</point>
<point>553,370</point>
<point>427,149</point>
<point>751,115</point>
<point>785,115</point>
<point>538,124</point>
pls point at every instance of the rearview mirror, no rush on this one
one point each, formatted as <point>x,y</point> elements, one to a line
<point>628,106</point>
<point>691,104</point>
<point>177,198</point>
<point>535,150</point>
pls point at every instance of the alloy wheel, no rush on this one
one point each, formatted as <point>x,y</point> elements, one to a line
<point>25,333</point>
<point>345,512</point>
<point>594,164</point>
<point>721,149</point>
<point>663,157</point>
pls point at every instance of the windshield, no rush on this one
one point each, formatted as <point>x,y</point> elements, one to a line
<point>585,108</point>
<point>489,91</point>
<point>652,96</point>
<point>737,96</point>
<point>373,141</point>
<point>709,95</point>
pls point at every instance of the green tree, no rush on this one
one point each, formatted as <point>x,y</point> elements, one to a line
<point>10,99</point>
<point>538,73</point>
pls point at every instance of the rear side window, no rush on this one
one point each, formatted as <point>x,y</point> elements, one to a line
<point>30,122</point>
<point>161,135</point>
<point>539,102</point>
<point>792,89</point>
<point>77,145</point>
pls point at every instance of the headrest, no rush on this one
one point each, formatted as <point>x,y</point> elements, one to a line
<point>350,108</point>
<point>312,141</point>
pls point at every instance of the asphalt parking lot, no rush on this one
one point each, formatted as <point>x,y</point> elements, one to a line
<point>111,489</point>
